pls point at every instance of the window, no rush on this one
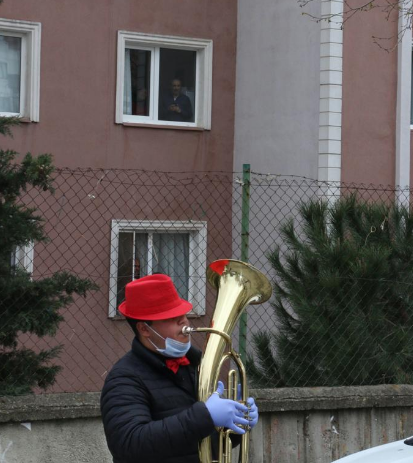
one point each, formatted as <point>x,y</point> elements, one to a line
<point>19,68</point>
<point>164,80</point>
<point>140,248</point>
<point>23,257</point>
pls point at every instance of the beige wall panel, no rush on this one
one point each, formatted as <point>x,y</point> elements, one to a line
<point>369,100</point>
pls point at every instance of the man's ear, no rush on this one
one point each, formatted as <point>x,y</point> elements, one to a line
<point>143,329</point>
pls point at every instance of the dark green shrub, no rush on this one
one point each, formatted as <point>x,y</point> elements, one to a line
<point>343,299</point>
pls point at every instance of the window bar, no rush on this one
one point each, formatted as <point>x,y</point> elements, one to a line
<point>150,250</point>
<point>133,255</point>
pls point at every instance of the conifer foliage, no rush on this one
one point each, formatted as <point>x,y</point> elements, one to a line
<point>27,304</point>
<point>343,298</point>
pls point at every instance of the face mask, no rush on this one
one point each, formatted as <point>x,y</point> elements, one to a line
<point>173,348</point>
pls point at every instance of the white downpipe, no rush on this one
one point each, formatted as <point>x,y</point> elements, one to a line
<point>331,79</point>
<point>404,71</point>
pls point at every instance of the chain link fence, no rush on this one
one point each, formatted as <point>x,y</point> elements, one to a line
<point>342,313</point>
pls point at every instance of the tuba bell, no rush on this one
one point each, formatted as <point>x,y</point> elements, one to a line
<point>238,284</point>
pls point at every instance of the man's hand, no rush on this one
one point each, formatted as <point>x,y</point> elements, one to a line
<point>226,413</point>
<point>174,108</point>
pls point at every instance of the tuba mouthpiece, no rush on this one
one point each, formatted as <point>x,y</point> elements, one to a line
<point>187,330</point>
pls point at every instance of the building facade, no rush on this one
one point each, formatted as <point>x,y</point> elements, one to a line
<point>115,89</point>
<point>333,98</point>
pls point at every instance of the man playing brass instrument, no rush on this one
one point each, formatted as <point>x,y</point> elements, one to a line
<point>149,401</point>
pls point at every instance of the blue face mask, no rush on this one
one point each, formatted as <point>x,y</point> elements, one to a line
<point>173,348</point>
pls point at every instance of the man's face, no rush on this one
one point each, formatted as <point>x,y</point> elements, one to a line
<point>169,328</point>
<point>176,87</point>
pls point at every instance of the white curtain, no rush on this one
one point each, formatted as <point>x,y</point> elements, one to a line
<point>171,256</point>
<point>127,86</point>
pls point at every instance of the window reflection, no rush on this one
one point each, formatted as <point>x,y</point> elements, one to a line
<point>10,73</point>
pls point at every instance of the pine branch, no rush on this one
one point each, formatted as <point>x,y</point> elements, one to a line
<point>6,123</point>
<point>27,305</point>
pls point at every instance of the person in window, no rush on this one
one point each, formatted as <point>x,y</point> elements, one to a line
<point>149,401</point>
<point>176,106</point>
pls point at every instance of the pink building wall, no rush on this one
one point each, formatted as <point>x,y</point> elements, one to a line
<point>78,78</point>
<point>369,100</point>
<point>77,125</point>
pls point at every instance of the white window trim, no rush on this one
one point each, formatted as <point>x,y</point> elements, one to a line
<point>197,256</point>
<point>203,98</point>
<point>30,96</point>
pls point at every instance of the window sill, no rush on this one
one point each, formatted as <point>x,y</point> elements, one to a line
<point>24,120</point>
<point>159,126</point>
<point>117,318</point>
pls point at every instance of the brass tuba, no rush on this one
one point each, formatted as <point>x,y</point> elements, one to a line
<point>238,285</point>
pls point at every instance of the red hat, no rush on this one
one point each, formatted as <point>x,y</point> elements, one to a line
<point>153,298</point>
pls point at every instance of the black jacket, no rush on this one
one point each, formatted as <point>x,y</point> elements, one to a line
<point>183,102</point>
<point>150,414</point>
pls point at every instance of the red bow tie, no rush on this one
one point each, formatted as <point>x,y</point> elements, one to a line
<point>174,364</point>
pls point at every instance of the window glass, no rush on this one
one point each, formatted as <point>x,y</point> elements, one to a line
<point>141,255</point>
<point>137,82</point>
<point>171,256</point>
<point>177,77</point>
<point>13,257</point>
<point>10,73</point>
<point>131,264</point>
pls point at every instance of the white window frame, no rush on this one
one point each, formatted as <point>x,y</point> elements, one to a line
<point>197,231</point>
<point>30,33</point>
<point>203,85</point>
<point>24,257</point>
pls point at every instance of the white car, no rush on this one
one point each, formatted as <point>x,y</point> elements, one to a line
<point>397,452</point>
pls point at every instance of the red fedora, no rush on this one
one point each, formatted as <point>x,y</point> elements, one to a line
<point>153,298</point>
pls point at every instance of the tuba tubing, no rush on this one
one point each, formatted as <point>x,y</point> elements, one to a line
<point>238,285</point>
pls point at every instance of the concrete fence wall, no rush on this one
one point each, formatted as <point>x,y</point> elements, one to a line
<point>297,425</point>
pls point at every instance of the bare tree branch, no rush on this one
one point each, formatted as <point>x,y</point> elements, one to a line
<point>391,10</point>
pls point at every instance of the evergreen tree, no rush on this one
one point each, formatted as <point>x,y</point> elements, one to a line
<point>343,298</point>
<point>27,305</point>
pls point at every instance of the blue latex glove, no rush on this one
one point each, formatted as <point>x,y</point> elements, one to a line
<point>253,413</point>
<point>226,413</point>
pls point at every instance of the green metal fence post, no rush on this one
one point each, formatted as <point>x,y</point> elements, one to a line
<point>246,169</point>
